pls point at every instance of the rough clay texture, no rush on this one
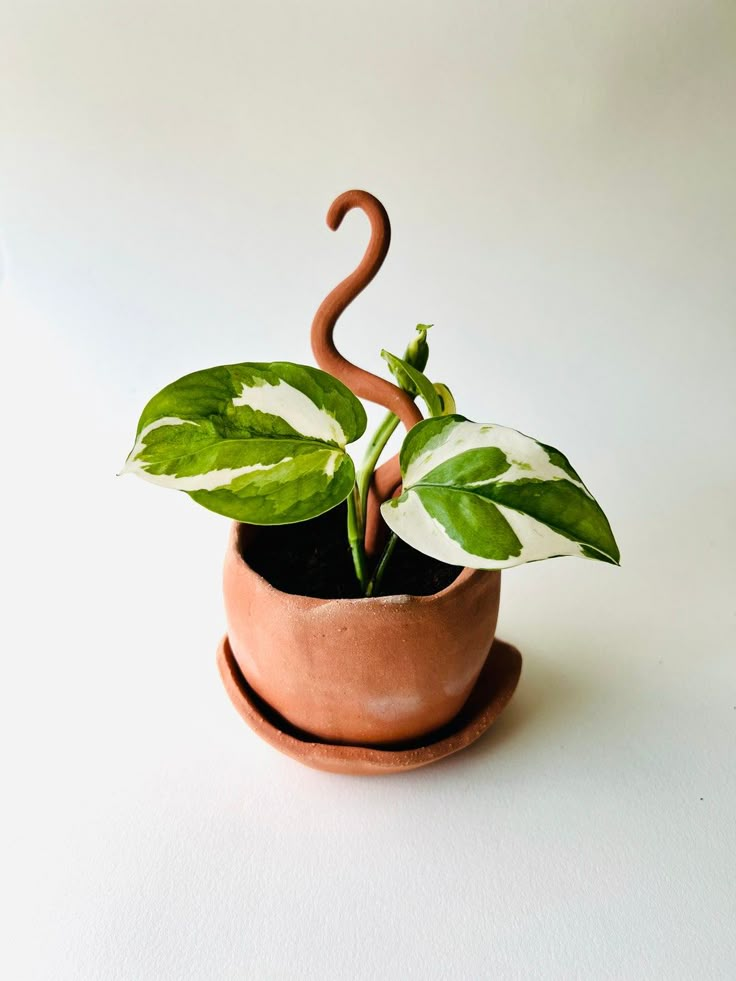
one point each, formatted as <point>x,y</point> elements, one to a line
<point>366,671</point>
<point>363,383</point>
<point>495,686</point>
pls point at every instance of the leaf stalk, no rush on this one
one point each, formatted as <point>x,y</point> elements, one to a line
<point>377,576</point>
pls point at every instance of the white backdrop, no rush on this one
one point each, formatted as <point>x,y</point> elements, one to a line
<point>560,182</point>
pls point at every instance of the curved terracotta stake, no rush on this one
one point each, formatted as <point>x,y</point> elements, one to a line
<point>363,383</point>
<point>386,483</point>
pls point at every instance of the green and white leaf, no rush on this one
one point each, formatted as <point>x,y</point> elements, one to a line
<point>489,497</point>
<point>261,443</point>
<point>414,382</point>
<point>446,398</point>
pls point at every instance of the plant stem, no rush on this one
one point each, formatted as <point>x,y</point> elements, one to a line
<point>355,538</point>
<point>381,567</point>
<point>363,483</point>
<point>372,454</point>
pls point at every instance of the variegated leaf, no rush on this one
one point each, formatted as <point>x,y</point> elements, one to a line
<point>446,398</point>
<point>412,380</point>
<point>489,497</point>
<point>261,443</point>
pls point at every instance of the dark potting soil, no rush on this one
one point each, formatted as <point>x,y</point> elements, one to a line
<point>314,559</point>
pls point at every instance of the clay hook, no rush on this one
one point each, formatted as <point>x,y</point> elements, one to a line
<point>363,383</point>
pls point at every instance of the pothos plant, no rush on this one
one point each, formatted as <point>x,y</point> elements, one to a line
<point>266,444</point>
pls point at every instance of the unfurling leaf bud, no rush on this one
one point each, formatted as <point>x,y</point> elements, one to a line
<point>417,352</point>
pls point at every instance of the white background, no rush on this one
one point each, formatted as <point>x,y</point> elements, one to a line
<point>560,179</point>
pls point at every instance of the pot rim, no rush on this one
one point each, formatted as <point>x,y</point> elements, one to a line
<point>467,579</point>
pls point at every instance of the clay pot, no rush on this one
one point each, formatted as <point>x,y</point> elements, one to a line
<point>359,671</point>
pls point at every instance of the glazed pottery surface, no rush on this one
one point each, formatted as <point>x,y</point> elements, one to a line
<point>359,671</point>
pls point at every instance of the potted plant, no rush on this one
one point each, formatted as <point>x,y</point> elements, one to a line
<point>361,603</point>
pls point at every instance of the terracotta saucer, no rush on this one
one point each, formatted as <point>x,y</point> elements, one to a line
<point>495,686</point>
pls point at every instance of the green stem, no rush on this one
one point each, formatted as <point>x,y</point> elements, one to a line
<point>381,567</point>
<point>355,538</point>
<point>372,455</point>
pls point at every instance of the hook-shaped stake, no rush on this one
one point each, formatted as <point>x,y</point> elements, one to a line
<point>363,383</point>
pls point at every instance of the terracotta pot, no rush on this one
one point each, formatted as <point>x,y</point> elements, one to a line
<point>359,671</point>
